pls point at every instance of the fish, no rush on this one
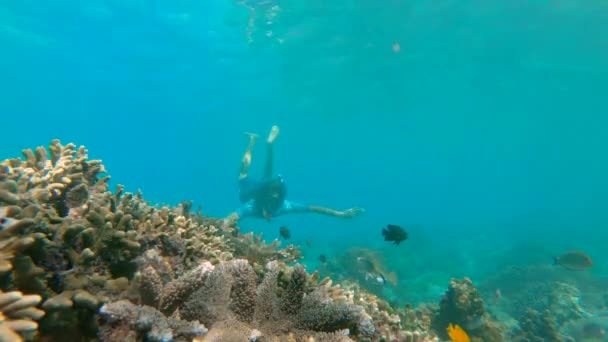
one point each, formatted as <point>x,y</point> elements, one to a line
<point>593,330</point>
<point>322,258</point>
<point>497,296</point>
<point>6,222</point>
<point>366,264</point>
<point>378,278</point>
<point>457,334</point>
<point>371,271</point>
<point>284,232</point>
<point>574,260</point>
<point>394,233</point>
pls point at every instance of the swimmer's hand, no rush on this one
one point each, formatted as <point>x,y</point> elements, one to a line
<point>352,212</point>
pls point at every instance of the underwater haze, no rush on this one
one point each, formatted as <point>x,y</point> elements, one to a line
<point>478,126</point>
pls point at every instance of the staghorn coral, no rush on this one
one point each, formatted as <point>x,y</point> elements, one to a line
<point>463,306</point>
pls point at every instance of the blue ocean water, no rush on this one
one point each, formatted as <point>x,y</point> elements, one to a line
<point>479,126</point>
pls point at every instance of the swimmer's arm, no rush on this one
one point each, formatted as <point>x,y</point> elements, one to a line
<point>299,208</point>
<point>348,213</point>
<point>325,211</point>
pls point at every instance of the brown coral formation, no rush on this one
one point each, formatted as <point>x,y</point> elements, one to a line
<point>462,305</point>
<point>234,296</point>
<point>537,326</point>
<point>125,321</point>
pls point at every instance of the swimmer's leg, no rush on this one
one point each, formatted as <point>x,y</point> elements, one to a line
<point>246,161</point>
<point>274,132</point>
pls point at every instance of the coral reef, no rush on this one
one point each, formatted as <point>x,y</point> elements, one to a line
<point>252,247</point>
<point>462,305</point>
<point>537,327</point>
<point>547,301</point>
<point>107,265</point>
<point>232,297</point>
<point>362,265</point>
<point>559,298</point>
<point>124,320</point>
<point>78,242</point>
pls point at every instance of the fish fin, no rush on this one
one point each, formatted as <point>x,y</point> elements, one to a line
<point>391,278</point>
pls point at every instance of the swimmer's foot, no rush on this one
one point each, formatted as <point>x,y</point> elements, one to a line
<point>274,132</point>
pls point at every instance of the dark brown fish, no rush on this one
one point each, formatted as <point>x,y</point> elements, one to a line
<point>574,260</point>
<point>322,258</point>
<point>394,233</point>
<point>284,232</point>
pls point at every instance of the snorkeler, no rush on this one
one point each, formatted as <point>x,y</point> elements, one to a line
<point>265,198</point>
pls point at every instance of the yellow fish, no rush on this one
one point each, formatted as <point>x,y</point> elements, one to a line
<point>457,334</point>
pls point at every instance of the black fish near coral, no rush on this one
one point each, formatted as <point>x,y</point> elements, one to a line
<point>394,233</point>
<point>322,258</point>
<point>284,232</point>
